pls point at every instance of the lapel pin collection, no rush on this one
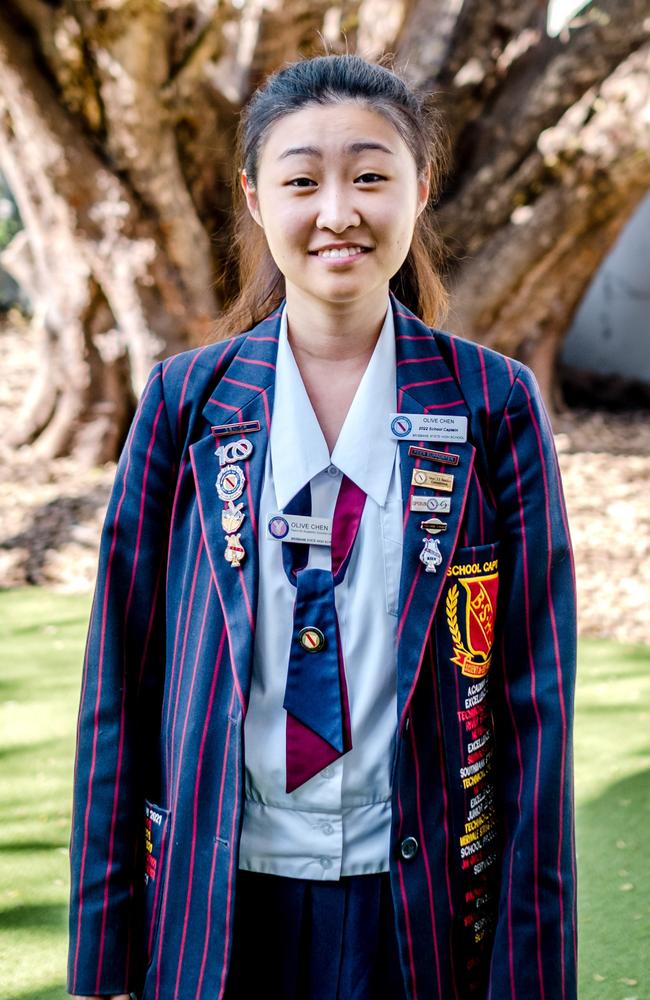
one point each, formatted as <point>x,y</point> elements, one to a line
<point>439,428</point>
<point>230,484</point>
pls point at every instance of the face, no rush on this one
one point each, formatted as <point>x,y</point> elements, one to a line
<point>331,175</point>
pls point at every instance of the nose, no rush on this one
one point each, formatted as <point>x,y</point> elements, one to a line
<point>336,209</point>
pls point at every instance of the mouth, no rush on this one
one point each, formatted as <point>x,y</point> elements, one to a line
<point>342,255</point>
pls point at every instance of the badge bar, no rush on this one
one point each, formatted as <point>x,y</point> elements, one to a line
<point>444,457</point>
<point>431,505</point>
<point>432,480</point>
<point>246,427</point>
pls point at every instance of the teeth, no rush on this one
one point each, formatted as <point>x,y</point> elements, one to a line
<point>344,252</point>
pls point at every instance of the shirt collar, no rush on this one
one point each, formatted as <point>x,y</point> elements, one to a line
<point>364,451</point>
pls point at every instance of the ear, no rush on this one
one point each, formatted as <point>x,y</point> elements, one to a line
<point>424,186</point>
<point>250,193</point>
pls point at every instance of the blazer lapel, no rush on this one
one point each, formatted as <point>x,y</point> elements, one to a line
<point>424,385</point>
<point>244,392</point>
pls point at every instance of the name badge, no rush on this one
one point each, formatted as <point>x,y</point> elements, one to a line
<point>299,528</point>
<point>432,480</point>
<point>427,427</point>
<point>432,505</point>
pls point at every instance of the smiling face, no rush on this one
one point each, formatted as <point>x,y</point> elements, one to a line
<point>336,174</point>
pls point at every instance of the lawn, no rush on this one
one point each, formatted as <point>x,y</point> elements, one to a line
<point>42,638</point>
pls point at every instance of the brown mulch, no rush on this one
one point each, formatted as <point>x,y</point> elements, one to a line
<point>51,511</point>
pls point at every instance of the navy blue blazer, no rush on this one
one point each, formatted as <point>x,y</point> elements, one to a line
<point>482,862</point>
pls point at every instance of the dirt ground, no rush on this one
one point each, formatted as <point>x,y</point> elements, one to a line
<point>51,512</point>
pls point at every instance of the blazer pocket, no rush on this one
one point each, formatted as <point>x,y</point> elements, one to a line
<point>468,609</point>
<point>156,819</point>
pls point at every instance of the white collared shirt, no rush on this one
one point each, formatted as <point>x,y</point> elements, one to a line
<point>338,822</point>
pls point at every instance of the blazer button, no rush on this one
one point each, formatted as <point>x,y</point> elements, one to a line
<point>409,848</point>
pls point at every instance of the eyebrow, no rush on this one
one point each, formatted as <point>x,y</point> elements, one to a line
<point>352,149</point>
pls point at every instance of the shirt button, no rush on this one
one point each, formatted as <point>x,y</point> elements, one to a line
<point>409,848</point>
<point>326,772</point>
<point>327,828</point>
<point>325,863</point>
<point>332,470</point>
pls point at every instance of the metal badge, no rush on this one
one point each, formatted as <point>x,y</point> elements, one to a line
<point>431,555</point>
<point>234,451</point>
<point>443,457</point>
<point>433,526</point>
<point>245,427</point>
<point>230,482</point>
<point>232,517</point>
<point>234,551</point>
<point>311,639</point>
<point>432,480</point>
<point>431,505</point>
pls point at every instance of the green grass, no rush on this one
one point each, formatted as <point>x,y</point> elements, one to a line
<point>42,637</point>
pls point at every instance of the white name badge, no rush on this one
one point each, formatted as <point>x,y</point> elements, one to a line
<point>299,528</point>
<point>427,427</point>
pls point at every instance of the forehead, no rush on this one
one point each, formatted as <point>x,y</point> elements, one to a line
<point>331,130</point>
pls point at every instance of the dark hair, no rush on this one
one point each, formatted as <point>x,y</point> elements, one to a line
<point>328,79</point>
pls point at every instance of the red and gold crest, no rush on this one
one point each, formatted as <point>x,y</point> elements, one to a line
<point>473,650</point>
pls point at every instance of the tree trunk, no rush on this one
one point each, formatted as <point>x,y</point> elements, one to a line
<point>117,123</point>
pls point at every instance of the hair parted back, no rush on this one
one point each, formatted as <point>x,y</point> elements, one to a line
<point>329,79</point>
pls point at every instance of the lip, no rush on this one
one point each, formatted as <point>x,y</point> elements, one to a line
<point>339,246</point>
<point>341,261</point>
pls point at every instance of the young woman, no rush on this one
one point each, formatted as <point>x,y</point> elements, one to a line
<point>324,745</point>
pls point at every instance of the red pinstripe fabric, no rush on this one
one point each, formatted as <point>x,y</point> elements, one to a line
<point>166,676</point>
<point>99,688</point>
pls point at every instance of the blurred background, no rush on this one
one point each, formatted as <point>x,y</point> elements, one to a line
<point>117,122</point>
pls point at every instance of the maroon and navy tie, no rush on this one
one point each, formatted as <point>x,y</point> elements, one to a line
<point>316,695</point>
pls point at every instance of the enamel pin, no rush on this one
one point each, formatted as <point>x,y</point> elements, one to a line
<point>234,551</point>
<point>232,517</point>
<point>246,427</point>
<point>432,480</point>
<point>433,526</point>
<point>431,505</point>
<point>234,451</point>
<point>431,555</point>
<point>443,457</point>
<point>230,482</point>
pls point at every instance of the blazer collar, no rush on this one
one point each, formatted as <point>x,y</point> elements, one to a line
<point>424,384</point>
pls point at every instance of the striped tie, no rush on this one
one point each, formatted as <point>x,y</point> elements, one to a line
<point>316,695</point>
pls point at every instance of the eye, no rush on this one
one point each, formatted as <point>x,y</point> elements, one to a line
<point>294,182</point>
<point>377,176</point>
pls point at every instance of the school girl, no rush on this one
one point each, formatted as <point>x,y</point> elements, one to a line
<point>324,741</point>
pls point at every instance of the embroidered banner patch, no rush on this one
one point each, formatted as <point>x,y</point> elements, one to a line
<point>470,607</point>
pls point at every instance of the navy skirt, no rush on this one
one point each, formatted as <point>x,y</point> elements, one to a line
<point>305,939</point>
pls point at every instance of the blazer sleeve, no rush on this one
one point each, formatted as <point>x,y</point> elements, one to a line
<point>122,679</point>
<point>534,950</point>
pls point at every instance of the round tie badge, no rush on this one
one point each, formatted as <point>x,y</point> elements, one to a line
<point>311,639</point>
<point>230,483</point>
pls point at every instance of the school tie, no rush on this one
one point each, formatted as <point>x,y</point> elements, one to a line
<point>316,696</point>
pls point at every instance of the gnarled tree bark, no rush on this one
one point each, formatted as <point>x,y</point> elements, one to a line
<point>117,121</point>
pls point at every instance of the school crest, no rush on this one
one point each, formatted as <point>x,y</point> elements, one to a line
<point>472,645</point>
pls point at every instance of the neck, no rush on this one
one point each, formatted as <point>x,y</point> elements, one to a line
<point>334,331</point>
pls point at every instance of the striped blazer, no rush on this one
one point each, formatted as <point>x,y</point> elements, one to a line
<point>482,863</point>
